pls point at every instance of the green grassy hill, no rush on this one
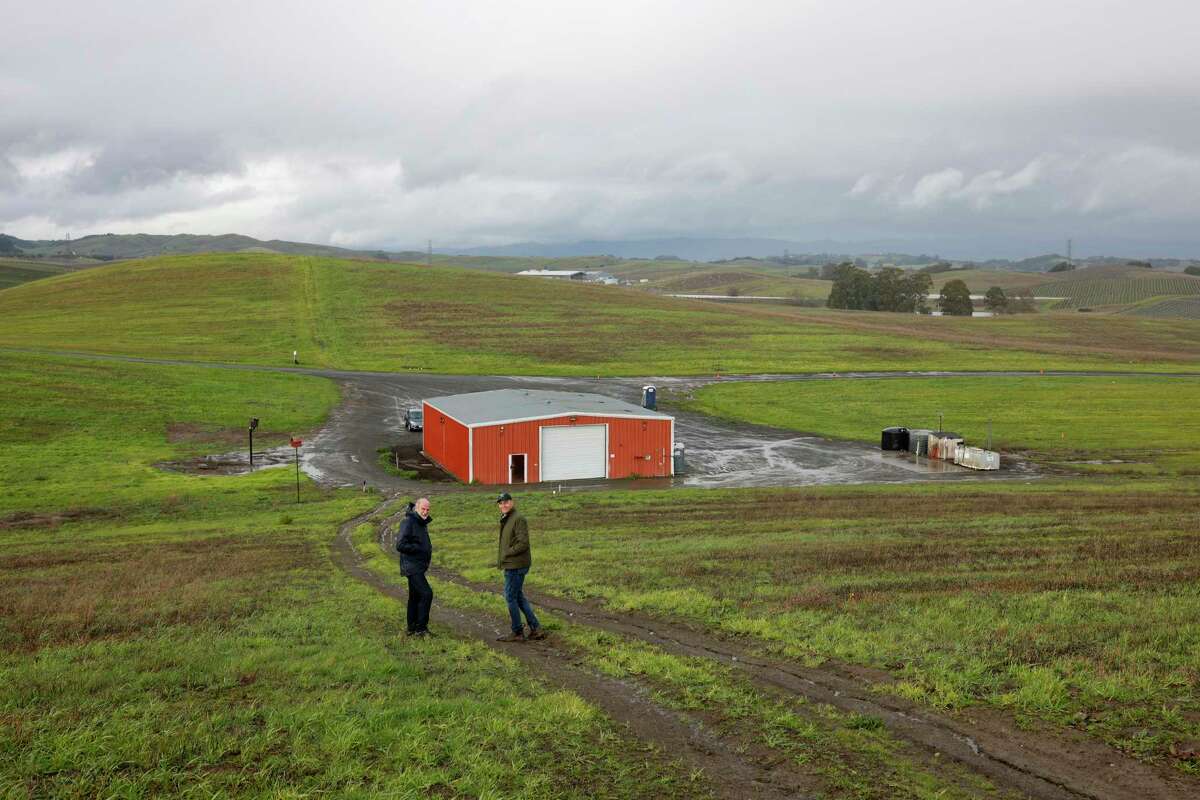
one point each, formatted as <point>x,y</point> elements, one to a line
<point>745,282</point>
<point>980,280</point>
<point>258,308</point>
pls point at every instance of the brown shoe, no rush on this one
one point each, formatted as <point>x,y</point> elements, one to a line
<point>512,637</point>
<point>536,634</point>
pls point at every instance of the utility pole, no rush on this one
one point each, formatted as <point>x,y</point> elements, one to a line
<point>429,254</point>
<point>1069,259</point>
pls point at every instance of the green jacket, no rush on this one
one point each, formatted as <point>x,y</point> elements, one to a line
<point>514,542</point>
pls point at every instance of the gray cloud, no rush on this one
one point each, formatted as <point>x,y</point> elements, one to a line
<point>132,165</point>
<point>383,124</point>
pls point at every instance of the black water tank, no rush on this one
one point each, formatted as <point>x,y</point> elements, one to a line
<point>894,439</point>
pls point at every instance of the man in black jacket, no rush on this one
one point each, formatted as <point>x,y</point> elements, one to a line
<point>416,551</point>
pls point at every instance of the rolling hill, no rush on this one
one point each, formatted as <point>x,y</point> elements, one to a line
<point>258,308</point>
<point>111,246</point>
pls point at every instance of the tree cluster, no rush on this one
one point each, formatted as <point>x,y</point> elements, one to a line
<point>1019,302</point>
<point>955,299</point>
<point>889,289</point>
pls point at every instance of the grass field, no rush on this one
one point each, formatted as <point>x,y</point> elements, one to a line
<point>745,282</point>
<point>843,754</point>
<point>171,635</point>
<point>1138,421</point>
<point>1125,343</point>
<point>162,634</point>
<point>1072,604</point>
<point>980,280</point>
<point>365,315</point>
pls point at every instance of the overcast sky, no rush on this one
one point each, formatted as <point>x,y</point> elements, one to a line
<point>999,124</point>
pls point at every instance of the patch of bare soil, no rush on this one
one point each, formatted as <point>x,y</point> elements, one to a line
<point>1044,764</point>
<point>191,432</point>
<point>229,463</point>
<point>34,519</point>
<point>732,769</point>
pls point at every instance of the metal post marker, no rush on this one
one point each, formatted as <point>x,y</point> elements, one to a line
<point>253,425</point>
<point>296,444</point>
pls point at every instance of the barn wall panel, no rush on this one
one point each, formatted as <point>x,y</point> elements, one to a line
<point>447,442</point>
<point>630,441</point>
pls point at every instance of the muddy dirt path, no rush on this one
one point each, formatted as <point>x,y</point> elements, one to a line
<point>1060,765</point>
<point>731,774</point>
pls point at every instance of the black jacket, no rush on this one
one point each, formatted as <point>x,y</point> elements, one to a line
<point>413,543</point>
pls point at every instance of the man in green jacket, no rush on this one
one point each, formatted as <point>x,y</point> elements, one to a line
<point>513,558</point>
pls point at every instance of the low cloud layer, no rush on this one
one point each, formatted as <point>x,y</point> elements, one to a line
<point>999,125</point>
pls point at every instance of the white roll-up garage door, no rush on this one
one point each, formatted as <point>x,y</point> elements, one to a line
<point>573,452</point>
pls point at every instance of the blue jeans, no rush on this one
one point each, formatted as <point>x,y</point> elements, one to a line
<point>514,579</point>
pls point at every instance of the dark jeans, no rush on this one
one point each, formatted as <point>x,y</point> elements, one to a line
<point>514,579</point>
<point>420,597</point>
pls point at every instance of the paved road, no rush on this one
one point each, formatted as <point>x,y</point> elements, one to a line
<point>720,453</point>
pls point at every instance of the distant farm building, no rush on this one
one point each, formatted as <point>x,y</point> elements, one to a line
<point>519,436</point>
<point>560,274</point>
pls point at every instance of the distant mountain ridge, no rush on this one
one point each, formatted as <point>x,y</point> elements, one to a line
<point>684,248</point>
<point>112,247</point>
<point>109,246</point>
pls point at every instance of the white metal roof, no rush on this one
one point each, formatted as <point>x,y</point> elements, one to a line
<point>551,273</point>
<point>518,405</point>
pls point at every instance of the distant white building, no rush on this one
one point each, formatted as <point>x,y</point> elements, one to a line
<point>562,274</point>
<point>571,275</point>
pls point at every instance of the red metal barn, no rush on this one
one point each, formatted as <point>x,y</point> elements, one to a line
<point>531,436</point>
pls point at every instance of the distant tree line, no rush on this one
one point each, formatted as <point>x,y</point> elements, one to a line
<point>940,267</point>
<point>895,289</point>
<point>889,289</point>
<point>1192,270</point>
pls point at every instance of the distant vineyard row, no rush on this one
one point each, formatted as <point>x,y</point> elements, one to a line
<point>1173,308</point>
<point>1118,291</point>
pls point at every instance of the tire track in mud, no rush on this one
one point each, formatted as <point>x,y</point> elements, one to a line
<point>1047,766</point>
<point>675,735</point>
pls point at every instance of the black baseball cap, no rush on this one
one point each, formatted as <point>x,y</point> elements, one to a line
<point>503,496</point>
